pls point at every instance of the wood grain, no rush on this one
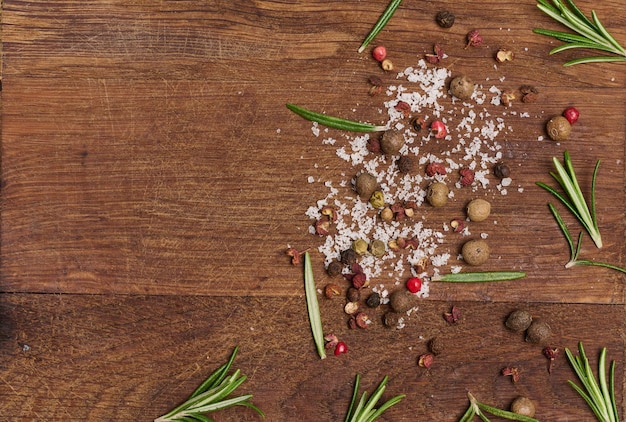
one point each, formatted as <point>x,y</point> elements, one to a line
<point>152,179</point>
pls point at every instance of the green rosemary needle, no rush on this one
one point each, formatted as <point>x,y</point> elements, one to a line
<point>479,409</point>
<point>575,201</point>
<point>589,33</point>
<point>334,122</point>
<point>479,277</point>
<point>380,24</point>
<point>599,396</point>
<point>212,395</point>
<point>313,308</point>
<point>364,410</point>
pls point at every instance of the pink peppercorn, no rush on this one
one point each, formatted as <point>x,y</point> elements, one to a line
<point>379,53</point>
<point>414,284</point>
<point>439,129</point>
<point>341,348</point>
<point>571,114</point>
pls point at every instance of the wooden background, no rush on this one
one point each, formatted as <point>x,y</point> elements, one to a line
<point>152,179</point>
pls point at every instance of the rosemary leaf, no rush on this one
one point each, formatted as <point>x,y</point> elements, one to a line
<point>334,122</point>
<point>365,410</point>
<point>479,277</point>
<point>380,24</point>
<point>599,396</point>
<point>212,395</point>
<point>592,34</point>
<point>313,306</point>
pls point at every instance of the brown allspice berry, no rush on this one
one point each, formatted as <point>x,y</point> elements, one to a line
<point>437,194</point>
<point>365,185</point>
<point>538,332</point>
<point>462,87</point>
<point>478,209</point>
<point>523,406</point>
<point>475,251</point>
<point>401,301</point>
<point>518,320</point>
<point>558,128</point>
<point>392,141</point>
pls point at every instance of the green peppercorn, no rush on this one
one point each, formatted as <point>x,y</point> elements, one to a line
<point>377,248</point>
<point>360,246</point>
<point>377,200</point>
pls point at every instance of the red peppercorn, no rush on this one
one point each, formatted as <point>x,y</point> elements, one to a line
<point>474,39</point>
<point>571,114</point>
<point>379,53</point>
<point>439,129</point>
<point>414,284</point>
<point>341,348</point>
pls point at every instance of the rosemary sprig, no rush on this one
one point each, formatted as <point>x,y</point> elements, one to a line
<point>599,396</point>
<point>479,277</point>
<point>589,33</point>
<point>334,122</point>
<point>575,248</point>
<point>313,306</point>
<point>380,24</point>
<point>364,410</point>
<point>575,201</point>
<point>479,409</point>
<point>212,395</point>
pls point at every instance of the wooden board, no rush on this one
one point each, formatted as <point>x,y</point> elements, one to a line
<point>152,180</point>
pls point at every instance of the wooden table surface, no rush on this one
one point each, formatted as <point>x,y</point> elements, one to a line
<point>152,180</point>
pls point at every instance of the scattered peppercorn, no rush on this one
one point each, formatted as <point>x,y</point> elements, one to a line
<point>392,141</point>
<point>435,168</point>
<point>373,300</point>
<point>529,93</point>
<point>504,55</point>
<point>437,194</point>
<point>513,372</point>
<point>332,290</point>
<point>379,53</point>
<point>438,128</point>
<point>478,209</point>
<point>474,39</point>
<point>360,246</point>
<point>436,346</point>
<point>386,214</point>
<point>353,294</point>
<point>348,257</point>
<point>538,332</point>
<point>571,114</point>
<point>445,19</point>
<point>391,319</point>
<point>558,128</point>
<point>404,108</point>
<point>518,320</point>
<point>365,184</point>
<point>376,85</point>
<point>378,248</point>
<point>501,170</point>
<point>334,269</point>
<point>551,353</point>
<point>523,406</point>
<point>457,225</point>
<point>418,124</point>
<point>453,316</point>
<point>475,252</point>
<point>405,164</point>
<point>436,56</point>
<point>362,320</point>
<point>425,360</point>
<point>387,65</point>
<point>414,284</point>
<point>467,176</point>
<point>341,348</point>
<point>462,87</point>
<point>351,308</point>
<point>401,301</point>
<point>377,200</point>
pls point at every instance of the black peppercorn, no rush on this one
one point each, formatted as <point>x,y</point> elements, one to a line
<point>391,319</point>
<point>353,294</point>
<point>445,19</point>
<point>334,268</point>
<point>373,300</point>
<point>349,256</point>
<point>405,164</point>
<point>501,171</point>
